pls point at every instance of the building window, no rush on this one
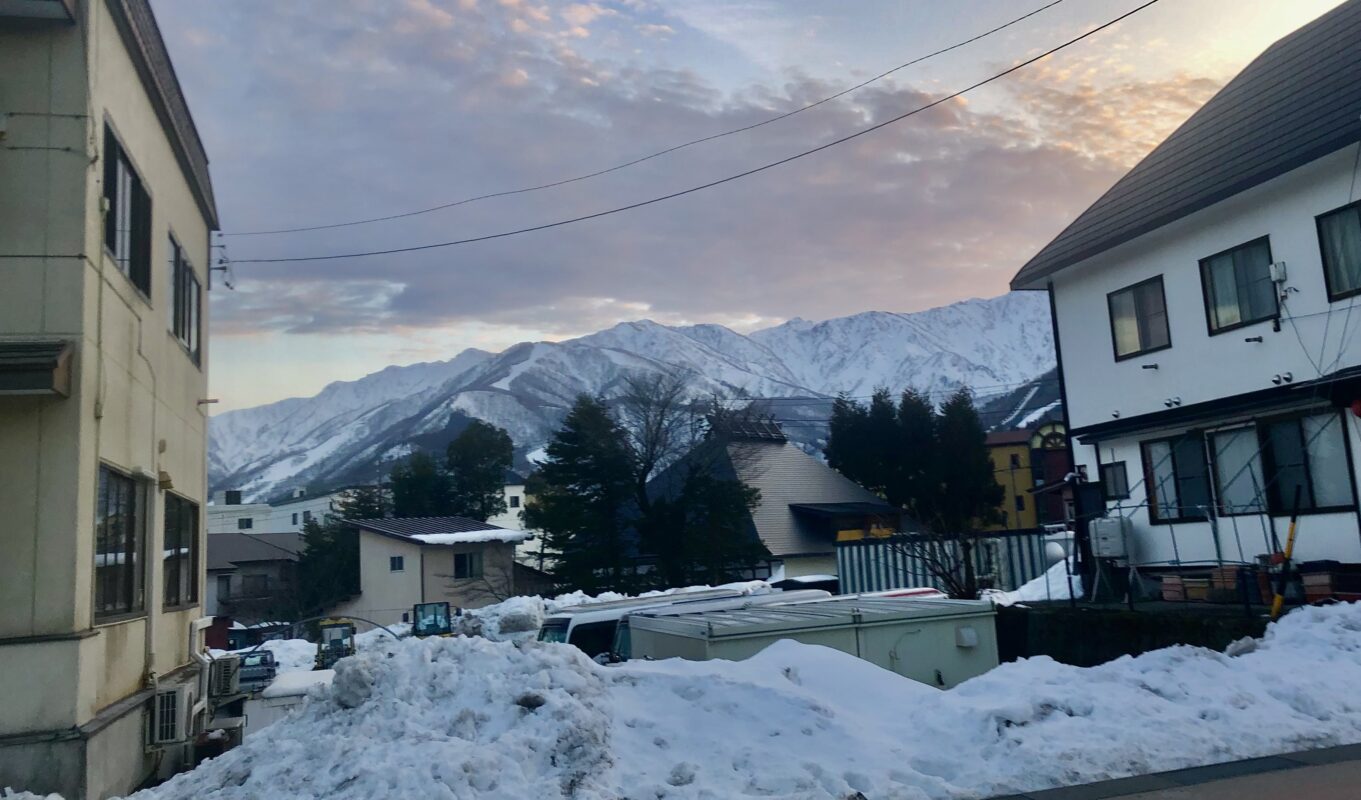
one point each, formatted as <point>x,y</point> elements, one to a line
<point>181,551</point>
<point>515,501</point>
<point>187,298</point>
<point>1237,471</point>
<point>1238,287</point>
<point>467,565</point>
<point>1177,477</point>
<point>1020,502</point>
<point>119,545</point>
<point>244,523</point>
<point>224,587</point>
<point>127,222</point>
<point>295,519</point>
<point>1310,453</point>
<point>306,516</point>
<point>396,563</point>
<point>1115,481</point>
<point>1339,238</point>
<point>1139,319</point>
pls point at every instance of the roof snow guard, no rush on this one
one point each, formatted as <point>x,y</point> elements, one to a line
<point>441,530</point>
<point>1298,101</point>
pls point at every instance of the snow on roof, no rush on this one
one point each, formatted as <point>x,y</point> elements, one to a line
<point>441,530</point>
<point>295,684</point>
<point>472,537</point>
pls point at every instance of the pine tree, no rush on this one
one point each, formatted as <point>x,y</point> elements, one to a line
<point>968,490</point>
<point>580,496</point>
<point>328,567</point>
<point>477,461</point>
<point>420,488</point>
<point>914,486</point>
<point>364,502</point>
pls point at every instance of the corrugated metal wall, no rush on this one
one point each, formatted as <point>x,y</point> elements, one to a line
<point>1005,559</point>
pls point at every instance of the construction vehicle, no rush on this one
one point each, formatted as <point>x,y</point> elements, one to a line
<point>336,642</point>
<point>431,619</point>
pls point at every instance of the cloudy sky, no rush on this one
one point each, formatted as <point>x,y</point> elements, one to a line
<point>336,110</point>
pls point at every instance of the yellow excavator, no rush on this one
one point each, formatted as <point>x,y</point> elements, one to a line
<point>336,642</point>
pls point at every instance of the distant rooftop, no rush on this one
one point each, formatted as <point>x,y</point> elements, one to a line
<point>441,530</point>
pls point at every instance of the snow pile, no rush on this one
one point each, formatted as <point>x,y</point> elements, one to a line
<point>461,717</point>
<point>1052,585</point>
<point>519,618</point>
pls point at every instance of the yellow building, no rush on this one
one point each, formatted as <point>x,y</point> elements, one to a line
<point>1010,455</point>
<point>105,215</point>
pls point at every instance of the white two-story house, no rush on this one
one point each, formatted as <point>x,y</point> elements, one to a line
<point>1208,316</point>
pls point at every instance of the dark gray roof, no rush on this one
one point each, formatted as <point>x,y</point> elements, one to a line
<point>226,550</point>
<point>1296,102</point>
<point>413,526</point>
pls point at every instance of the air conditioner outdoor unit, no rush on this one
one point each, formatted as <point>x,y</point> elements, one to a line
<point>224,676</point>
<point>1111,537</point>
<point>170,715</point>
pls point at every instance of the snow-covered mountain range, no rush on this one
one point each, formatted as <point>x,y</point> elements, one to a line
<point>352,431</point>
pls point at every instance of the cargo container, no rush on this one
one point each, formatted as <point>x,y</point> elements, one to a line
<point>938,642</point>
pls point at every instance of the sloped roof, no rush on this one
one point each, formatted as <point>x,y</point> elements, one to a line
<point>1296,102</point>
<point>440,530</point>
<point>787,476</point>
<point>226,550</point>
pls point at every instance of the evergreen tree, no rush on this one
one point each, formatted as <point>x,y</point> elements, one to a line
<point>365,502</point>
<point>968,490</point>
<point>420,488</point>
<point>580,497</point>
<point>477,462</point>
<point>914,487</point>
<point>846,440</point>
<point>328,567</point>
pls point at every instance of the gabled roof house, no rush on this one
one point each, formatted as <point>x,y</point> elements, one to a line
<point>1204,317</point>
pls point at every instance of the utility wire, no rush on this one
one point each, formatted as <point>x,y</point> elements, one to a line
<point>659,153</point>
<point>720,181</point>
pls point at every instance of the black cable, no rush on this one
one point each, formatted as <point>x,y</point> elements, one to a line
<point>720,181</point>
<point>659,153</point>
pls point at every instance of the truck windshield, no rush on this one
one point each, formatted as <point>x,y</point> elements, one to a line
<point>553,630</point>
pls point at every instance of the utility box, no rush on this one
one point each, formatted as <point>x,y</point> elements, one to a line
<point>937,642</point>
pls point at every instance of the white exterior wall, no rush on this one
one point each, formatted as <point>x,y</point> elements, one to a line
<point>1199,367</point>
<point>268,518</point>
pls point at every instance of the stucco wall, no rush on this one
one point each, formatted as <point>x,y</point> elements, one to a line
<point>495,584</point>
<point>135,393</point>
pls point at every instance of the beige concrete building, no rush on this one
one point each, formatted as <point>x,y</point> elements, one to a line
<point>429,559</point>
<point>105,215</point>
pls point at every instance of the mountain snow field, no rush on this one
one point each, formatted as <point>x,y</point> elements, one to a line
<point>351,431</point>
<point>475,718</point>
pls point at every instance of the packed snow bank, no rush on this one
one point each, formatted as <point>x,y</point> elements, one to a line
<point>519,618</point>
<point>1059,582</point>
<point>468,717</point>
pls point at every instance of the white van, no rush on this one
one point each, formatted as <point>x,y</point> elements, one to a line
<point>591,626</point>
<point>623,645</point>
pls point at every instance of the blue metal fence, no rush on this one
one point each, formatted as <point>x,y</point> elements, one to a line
<point>1002,560</point>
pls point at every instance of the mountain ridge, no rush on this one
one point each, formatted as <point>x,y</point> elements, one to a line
<point>352,430</point>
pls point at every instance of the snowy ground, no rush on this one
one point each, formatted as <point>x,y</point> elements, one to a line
<point>474,718</point>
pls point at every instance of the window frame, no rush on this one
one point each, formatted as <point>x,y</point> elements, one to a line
<point>1333,296</point>
<point>187,589</point>
<point>136,603</point>
<point>1110,316</point>
<point>1151,490</point>
<point>136,265</point>
<point>396,563</point>
<point>1212,453</point>
<point>1205,282</point>
<point>474,559</point>
<point>1124,476</point>
<point>245,523</point>
<point>186,301</point>
<point>1268,457</point>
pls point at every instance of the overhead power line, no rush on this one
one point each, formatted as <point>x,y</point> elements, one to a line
<point>720,181</point>
<point>659,153</point>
